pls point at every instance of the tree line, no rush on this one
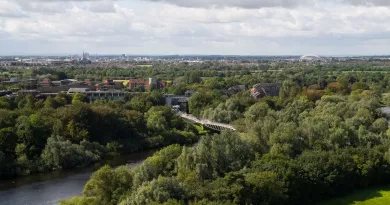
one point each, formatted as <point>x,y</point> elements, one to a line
<point>38,135</point>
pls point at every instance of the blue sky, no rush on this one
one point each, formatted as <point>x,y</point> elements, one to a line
<point>233,27</point>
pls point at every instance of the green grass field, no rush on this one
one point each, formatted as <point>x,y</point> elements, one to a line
<point>373,196</point>
<point>367,71</point>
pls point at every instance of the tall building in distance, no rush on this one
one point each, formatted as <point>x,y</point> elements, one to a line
<point>85,58</point>
<point>86,55</point>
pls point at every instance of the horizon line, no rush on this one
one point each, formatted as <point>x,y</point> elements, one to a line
<point>205,55</point>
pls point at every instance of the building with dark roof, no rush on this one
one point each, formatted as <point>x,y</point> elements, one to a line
<point>265,89</point>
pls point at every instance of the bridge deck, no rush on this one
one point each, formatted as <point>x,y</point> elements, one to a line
<point>207,123</point>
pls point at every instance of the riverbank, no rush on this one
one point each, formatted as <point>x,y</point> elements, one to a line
<point>49,188</point>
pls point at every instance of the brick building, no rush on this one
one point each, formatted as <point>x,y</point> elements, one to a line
<point>133,83</point>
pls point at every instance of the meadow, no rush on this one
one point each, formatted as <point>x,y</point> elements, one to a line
<point>373,196</point>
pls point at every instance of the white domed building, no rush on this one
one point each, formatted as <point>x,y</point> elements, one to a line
<point>310,58</point>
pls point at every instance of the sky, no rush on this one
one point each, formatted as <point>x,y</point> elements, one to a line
<point>184,27</point>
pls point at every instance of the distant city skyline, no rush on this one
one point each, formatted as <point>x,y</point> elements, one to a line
<point>195,27</point>
<point>92,55</point>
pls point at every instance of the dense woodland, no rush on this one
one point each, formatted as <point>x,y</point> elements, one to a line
<point>323,136</point>
<point>65,132</point>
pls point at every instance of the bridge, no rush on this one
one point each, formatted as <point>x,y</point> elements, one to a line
<point>207,123</point>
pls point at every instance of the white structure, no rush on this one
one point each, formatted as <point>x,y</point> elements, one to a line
<point>310,58</point>
<point>77,90</point>
<point>153,81</point>
<point>207,123</point>
<point>94,95</point>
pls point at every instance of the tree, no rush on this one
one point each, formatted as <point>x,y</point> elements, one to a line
<point>50,103</point>
<point>287,136</point>
<point>109,185</point>
<point>193,77</point>
<point>156,97</point>
<point>161,164</point>
<point>6,103</point>
<point>161,118</point>
<point>8,140</point>
<point>289,90</point>
<point>141,103</point>
<point>29,102</point>
<point>76,131</point>
<point>79,98</point>
<point>257,111</point>
<point>60,154</point>
<point>199,101</point>
<point>158,190</point>
<point>81,201</point>
<point>135,120</point>
<point>61,75</point>
<point>221,153</point>
<point>2,163</point>
<point>152,87</point>
<point>360,86</point>
<point>7,118</point>
<point>61,100</point>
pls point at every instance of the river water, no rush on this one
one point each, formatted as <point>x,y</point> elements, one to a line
<point>50,188</point>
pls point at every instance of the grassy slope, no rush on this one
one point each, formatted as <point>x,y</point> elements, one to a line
<point>373,196</point>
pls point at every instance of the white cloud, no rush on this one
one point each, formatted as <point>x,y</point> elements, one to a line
<point>10,10</point>
<point>254,4</point>
<point>209,27</point>
<point>236,3</point>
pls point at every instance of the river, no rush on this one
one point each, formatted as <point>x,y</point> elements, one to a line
<point>50,188</point>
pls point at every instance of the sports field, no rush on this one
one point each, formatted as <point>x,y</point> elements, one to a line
<point>373,196</point>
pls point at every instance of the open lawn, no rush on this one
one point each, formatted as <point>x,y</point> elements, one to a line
<point>373,196</point>
<point>366,71</point>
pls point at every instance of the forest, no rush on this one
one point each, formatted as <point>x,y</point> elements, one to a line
<point>66,132</point>
<point>323,136</point>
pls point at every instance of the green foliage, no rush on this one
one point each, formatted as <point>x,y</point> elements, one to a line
<point>162,163</point>
<point>142,103</point>
<point>8,139</point>
<point>216,155</point>
<point>226,112</point>
<point>161,118</point>
<point>79,98</point>
<point>50,103</point>
<point>193,77</point>
<point>370,196</point>
<point>199,101</point>
<point>81,201</point>
<point>360,86</point>
<point>89,132</point>
<point>158,190</point>
<point>61,100</point>
<point>289,90</point>
<point>108,185</point>
<point>6,103</point>
<point>59,154</point>
<point>322,137</point>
